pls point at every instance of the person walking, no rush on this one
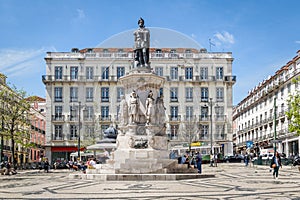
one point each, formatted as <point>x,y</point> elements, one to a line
<point>199,162</point>
<point>275,164</point>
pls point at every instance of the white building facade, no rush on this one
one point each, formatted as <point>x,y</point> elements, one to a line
<point>261,119</point>
<point>82,87</point>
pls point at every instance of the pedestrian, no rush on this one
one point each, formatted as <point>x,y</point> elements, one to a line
<point>46,165</point>
<point>246,159</point>
<point>199,162</point>
<point>275,164</point>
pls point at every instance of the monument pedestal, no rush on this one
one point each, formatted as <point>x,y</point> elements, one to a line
<point>141,154</point>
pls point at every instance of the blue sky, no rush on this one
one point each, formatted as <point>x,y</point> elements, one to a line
<point>263,35</point>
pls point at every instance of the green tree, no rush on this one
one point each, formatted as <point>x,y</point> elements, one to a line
<point>293,113</point>
<point>15,111</point>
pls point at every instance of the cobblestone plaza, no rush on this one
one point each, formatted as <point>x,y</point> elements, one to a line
<point>231,181</point>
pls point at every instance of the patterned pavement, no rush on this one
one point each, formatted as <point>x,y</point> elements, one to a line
<point>232,181</point>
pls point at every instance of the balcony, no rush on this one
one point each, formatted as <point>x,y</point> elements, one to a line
<point>72,118</point>
<point>220,118</point>
<point>204,118</point>
<point>174,118</point>
<point>105,118</point>
<point>231,79</point>
<point>58,118</point>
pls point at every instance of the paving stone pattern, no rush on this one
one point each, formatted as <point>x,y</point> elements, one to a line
<point>231,181</point>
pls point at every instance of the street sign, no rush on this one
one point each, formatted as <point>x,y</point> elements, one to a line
<point>276,141</point>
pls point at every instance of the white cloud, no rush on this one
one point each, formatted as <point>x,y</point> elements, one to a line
<point>80,14</point>
<point>22,62</point>
<point>298,41</point>
<point>225,37</point>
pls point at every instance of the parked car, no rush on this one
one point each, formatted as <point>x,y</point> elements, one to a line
<point>233,159</point>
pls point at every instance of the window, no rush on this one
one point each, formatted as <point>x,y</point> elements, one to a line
<point>189,111</point>
<point>58,112</point>
<point>204,131</point>
<point>73,132</point>
<point>174,73</point>
<point>204,94</point>
<point>73,113</point>
<point>173,94</point>
<point>174,131</point>
<point>58,94</point>
<point>220,94</point>
<point>219,112</point>
<point>58,130</point>
<point>73,94</point>
<point>189,73</point>
<point>161,92</point>
<point>120,72</point>
<point>289,88</point>
<point>104,112</point>
<point>120,92</point>
<point>173,53</point>
<point>219,73</point>
<point>204,113</point>
<point>188,53</point>
<point>159,71</point>
<point>58,73</point>
<point>158,53</point>
<point>174,112</point>
<point>105,94</point>
<point>220,132</point>
<point>89,94</point>
<point>90,132</point>
<point>74,73</point>
<point>282,91</point>
<point>189,94</point>
<point>89,113</point>
<point>89,73</point>
<point>105,73</point>
<point>204,73</point>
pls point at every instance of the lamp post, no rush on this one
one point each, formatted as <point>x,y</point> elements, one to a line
<point>79,126</point>
<point>211,134</point>
<point>275,126</point>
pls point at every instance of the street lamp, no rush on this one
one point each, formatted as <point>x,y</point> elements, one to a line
<point>275,126</point>
<point>79,126</point>
<point>211,134</point>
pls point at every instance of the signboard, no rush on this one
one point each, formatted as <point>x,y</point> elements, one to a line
<point>195,144</point>
<point>249,144</point>
<point>276,141</point>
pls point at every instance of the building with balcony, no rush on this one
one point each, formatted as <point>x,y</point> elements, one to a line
<point>261,115</point>
<point>83,95</point>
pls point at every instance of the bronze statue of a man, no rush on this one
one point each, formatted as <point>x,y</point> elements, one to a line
<point>141,45</point>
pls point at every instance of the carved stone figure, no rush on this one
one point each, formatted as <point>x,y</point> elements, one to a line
<point>133,108</point>
<point>150,109</point>
<point>141,45</point>
<point>123,112</point>
<point>160,108</point>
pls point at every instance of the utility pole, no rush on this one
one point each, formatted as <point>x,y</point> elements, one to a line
<point>275,126</point>
<point>79,126</point>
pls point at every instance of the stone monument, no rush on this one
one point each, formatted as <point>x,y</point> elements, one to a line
<point>141,144</point>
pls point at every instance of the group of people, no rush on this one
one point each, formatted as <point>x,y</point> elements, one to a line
<point>81,166</point>
<point>192,160</point>
<point>7,168</point>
